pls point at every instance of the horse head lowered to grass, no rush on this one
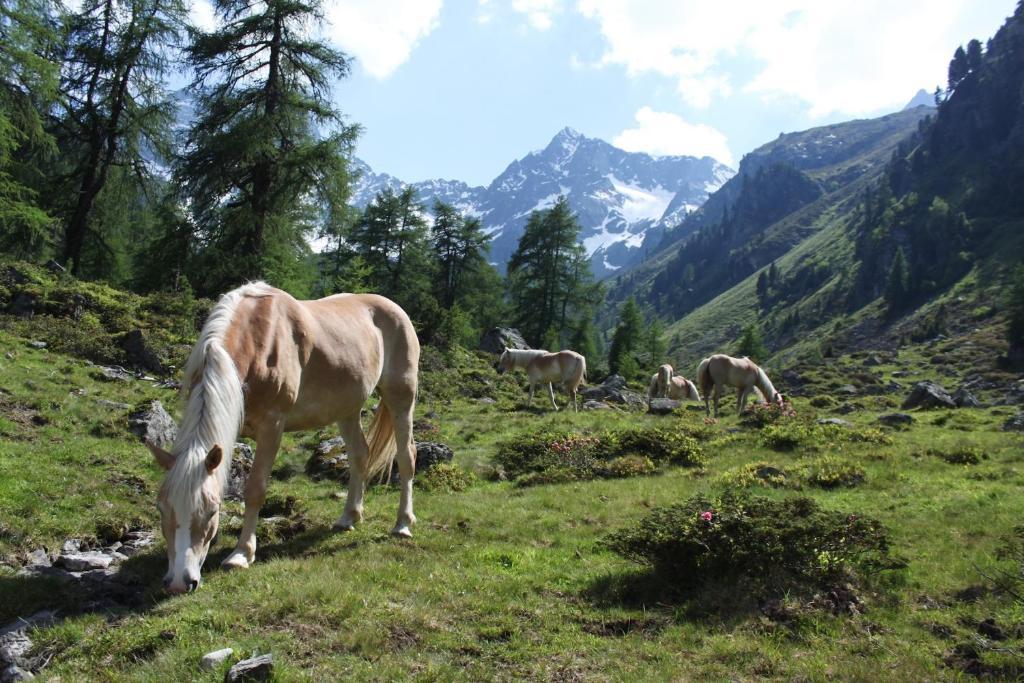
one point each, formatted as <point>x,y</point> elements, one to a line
<point>264,364</point>
<point>743,374</point>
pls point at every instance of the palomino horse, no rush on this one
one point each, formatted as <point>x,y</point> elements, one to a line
<point>742,373</point>
<point>666,384</point>
<point>567,368</point>
<point>265,364</point>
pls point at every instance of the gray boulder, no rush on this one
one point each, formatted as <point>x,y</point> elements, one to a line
<point>837,421</point>
<point>896,419</point>
<point>329,461</point>
<point>14,673</point>
<point>965,399</point>
<point>662,406</point>
<point>1014,424</point>
<point>928,395</point>
<point>241,465</point>
<point>253,669</point>
<point>151,423</point>
<point>613,390</point>
<point>498,339</point>
<point>85,561</point>
<point>596,405</point>
<point>113,373</point>
<point>211,660</point>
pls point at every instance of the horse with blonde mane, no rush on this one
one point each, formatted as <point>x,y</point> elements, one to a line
<point>566,368</point>
<point>742,373</point>
<point>265,364</point>
<point>666,384</point>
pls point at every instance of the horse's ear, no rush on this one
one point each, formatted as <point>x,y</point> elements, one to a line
<point>162,457</point>
<point>213,458</point>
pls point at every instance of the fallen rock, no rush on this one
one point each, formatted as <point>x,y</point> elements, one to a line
<point>38,558</point>
<point>37,344</point>
<point>111,405</point>
<point>329,461</point>
<point>847,390</point>
<point>252,669</point>
<point>428,454</point>
<point>614,382</point>
<point>13,673</point>
<point>838,421</point>
<point>662,406</point>
<point>15,643</point>
<point>241,465</point>
<point>769,473</point>
<point>596,405</point>
<point>211,660</point>
<point>112,374</point>
<point>928,395</point>
<point>486,400</point>
<point>613,390</point>
<point>151,423</point>
<point>1015,395</point>
<point>872,362</point>
<point>1014,424</point>
<point>896,419</point>
<point>81,562</point>
<point>139,353</point>
<point>23,304</point>
<point>498,339</point>
<point>965,399</point>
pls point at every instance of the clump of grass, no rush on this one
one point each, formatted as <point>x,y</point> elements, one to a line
<point>754,474</point>
<point>829,472</point>
<point>549,457</point>
<point>775,545</point>
<point>445,477</point>
<point>960,455</point>
<point>764,414</point>
<point>788,436</point>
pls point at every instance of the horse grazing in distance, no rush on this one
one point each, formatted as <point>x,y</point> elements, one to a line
<point>742,373</point>
<point>567,368</point>
<point>666,384</point>
<point>265,364</point>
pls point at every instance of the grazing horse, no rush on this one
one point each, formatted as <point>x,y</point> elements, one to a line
<point>567,368</point>
<point>742,373</point>
<point>265,364</point>
<point>666,384</point>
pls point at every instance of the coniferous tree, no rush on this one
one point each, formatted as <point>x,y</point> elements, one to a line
<point>958,68</point>
<point>626,340</point>
<point>267,144</point>
<point>116,107</point>
<point>762,289</point>
<point>897,284</point>
<point>548,276</point>
<point>751,344</point>
<point>459,245</point>
<point>28,87</point>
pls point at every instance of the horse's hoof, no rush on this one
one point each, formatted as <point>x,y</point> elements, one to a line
<point>344,524</point>
<point>235,561</point>
<point>402,531</point>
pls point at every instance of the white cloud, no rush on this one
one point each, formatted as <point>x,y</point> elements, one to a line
<point>844,57</point>
<point>485,12</point>
<point>664,133</point>
<point>540,13</point>
<point>381,34</point>
<point>200,13</point>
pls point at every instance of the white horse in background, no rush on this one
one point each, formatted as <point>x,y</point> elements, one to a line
<point>566,368</point>
<point>666,384</point>
<point>742,373</point>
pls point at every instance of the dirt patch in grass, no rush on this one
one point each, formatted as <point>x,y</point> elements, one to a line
<point>616,628</point>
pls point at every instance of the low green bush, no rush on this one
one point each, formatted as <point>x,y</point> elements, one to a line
<point>829,472</point>
<point>754,474</point>
<point>445,477</point>
<point>960,455</point>
<point>764,414</point>
<point>558,456</point>
<point>774,544</point>
<point>788,436</point>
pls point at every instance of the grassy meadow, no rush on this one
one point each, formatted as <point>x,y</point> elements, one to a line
<point>503,581</point>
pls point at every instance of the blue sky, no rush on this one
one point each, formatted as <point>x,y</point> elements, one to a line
<point>458,89</point>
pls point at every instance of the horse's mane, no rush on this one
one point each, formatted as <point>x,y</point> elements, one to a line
<point>765,384</point>
<point>214,403</point>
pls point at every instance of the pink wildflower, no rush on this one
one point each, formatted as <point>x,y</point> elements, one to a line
<point>707,515</point>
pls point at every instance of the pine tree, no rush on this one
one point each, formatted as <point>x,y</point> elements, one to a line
<point>116,56</point>
<point>762,289</point>
<point>958,68</point>
<point>897,283</point>
<point>28,86</point>
<point>267,145</point>
<point>626,340</point>
<point>654,342</point>
<point>751,344</point>
<point>459,246</point>
<point>974,55</point>
<point>549,278</point>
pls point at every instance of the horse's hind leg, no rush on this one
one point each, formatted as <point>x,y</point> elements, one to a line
<point>401,402</point>
<point>718,395</point>
<point>551,392</point>
<point>268,440</point>
<point>358,451</point>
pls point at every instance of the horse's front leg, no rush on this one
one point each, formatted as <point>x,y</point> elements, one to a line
<point>551,392</point>
<point>741,399</point>
<point>268,440</point>
<point>718,395</point>
<point>358,452</point>
<point>530,400</point>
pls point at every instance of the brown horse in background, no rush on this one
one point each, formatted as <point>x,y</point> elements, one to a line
<point>742,373</point>
<point>265,364</point>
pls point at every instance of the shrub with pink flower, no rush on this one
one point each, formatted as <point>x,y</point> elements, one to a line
<point>707,515</point>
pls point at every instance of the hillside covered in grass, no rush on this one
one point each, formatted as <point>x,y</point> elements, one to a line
<point>900,547</point>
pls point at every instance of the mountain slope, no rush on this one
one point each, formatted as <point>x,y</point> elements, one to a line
<point>623,199</point>
<point>920,247</point>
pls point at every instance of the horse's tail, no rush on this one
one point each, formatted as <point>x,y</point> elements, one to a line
<point>581,371</point>
<point>381,440</point>
<point>704,376</point>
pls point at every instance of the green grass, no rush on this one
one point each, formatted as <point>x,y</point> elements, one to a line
<point>500,582</point>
